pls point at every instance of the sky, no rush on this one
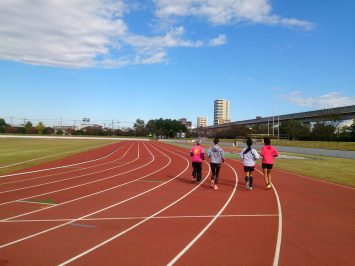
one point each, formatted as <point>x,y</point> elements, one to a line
<point>115,61</point>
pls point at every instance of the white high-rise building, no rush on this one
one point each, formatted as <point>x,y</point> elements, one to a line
<point>221,112</point>
<point>201,121</point>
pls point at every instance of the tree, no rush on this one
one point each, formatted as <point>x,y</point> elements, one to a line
<point>40,127</point>
<point>48,130</point>
<point>2,125</point>
<point>165,128</point>
<point>323,131</point>
<point>294,130</point>
<point>352,131</point>
<point>29,129</point>
<point>2,122</point>
<point>139,128</point>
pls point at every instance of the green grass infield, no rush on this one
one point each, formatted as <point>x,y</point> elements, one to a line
<point>36,151</point>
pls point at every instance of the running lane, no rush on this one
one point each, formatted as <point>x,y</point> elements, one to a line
<point>318,221</point>
<point>76,231</point>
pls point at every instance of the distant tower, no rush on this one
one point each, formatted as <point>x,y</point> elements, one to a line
<point>221,112</point>
<point>201,121</point>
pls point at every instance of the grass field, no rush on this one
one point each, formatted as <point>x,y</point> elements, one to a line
<point>336,170</point>
<point>332,145</point>
<point>16,150</point>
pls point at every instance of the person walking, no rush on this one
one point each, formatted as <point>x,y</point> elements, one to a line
<point>268,153</point>
<point>216,155</point>
<point>249,156</point>
<point>198,155</point>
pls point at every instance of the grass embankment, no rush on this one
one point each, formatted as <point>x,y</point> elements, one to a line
<point>336,170</point>
<point>331,145</point>
<point>18,150</point>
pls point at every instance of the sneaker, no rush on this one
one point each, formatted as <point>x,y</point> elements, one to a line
<point>250,188</point>
<point>268,186</point>
<point>212,183</point>
<point>193,179</point>
<point>215,187</point>
<point>247,185</point>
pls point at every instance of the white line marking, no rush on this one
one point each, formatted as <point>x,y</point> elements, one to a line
<point>137,224</point>
<point>70,178</point>
<point>101,210</point>
<point>40,158</point>
<point>144,217</point>
<point>279,231</point>
<point>80,185</point>
<point>37,202</point>
<point>61,173</point>
<point>59,167</point>
<point>86,196</point>
<point>182,252</point>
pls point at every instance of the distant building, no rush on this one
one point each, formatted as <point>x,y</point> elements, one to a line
<point>187,124</point>
<point>201,121</point>
<point>221,112</point>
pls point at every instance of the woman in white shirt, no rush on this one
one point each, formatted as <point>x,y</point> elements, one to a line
<point>249,156</point>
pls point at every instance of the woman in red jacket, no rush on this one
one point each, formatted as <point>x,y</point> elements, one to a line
<point>268,153</point>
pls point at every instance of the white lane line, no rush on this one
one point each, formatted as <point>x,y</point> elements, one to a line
<point>104,209</point>
<point>279,230</point>
<point>80,185</point>
<point>37,202</point>
<point>59,167</point>
<point>182,252</point>
<point>139,223</point>
<point>69,178</point>
<point>61,173</point>
<point>143,217</point>
<point>48,156</point>
<point>83,197</point>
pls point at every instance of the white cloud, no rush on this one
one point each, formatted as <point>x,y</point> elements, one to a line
<point>330,100</point>
<point>89,33</point>
<point>78,33</point>
<point>220,40</point>
<point>59,33</point>
<point>225,12</point>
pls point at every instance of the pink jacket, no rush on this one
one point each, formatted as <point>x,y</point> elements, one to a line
<point>197,153</point>
<point>268,153</point>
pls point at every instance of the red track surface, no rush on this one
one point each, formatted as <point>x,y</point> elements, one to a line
<point>132,203</point>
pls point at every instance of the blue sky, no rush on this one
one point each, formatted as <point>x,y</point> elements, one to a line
<point>123,60</point>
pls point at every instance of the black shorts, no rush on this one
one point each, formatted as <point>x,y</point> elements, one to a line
<point>266,165</point>
<point>249,168</point>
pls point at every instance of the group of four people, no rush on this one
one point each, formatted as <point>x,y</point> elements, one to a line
<point>248,154</point>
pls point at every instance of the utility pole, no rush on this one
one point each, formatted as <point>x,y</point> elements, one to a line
<point>273,120</point>
<point>268,126</point>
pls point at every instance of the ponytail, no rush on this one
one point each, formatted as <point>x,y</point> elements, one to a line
<point>249,143</point>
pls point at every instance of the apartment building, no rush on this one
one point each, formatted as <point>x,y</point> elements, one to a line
<point>221,112</point>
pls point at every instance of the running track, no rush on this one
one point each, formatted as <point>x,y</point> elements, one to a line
<point>132,203</point>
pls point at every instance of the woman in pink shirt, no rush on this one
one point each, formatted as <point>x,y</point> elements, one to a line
<point>268,153</point>
<point>198,155</point>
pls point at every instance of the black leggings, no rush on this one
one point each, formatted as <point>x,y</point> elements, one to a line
<point>215,167</point>
<point>197,170</point>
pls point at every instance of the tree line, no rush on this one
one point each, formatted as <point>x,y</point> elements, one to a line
<point>157,128</point>
<point>291,129</point>
<point>168,128</point>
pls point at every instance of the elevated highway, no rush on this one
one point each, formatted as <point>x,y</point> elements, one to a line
<point>330,114</point>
